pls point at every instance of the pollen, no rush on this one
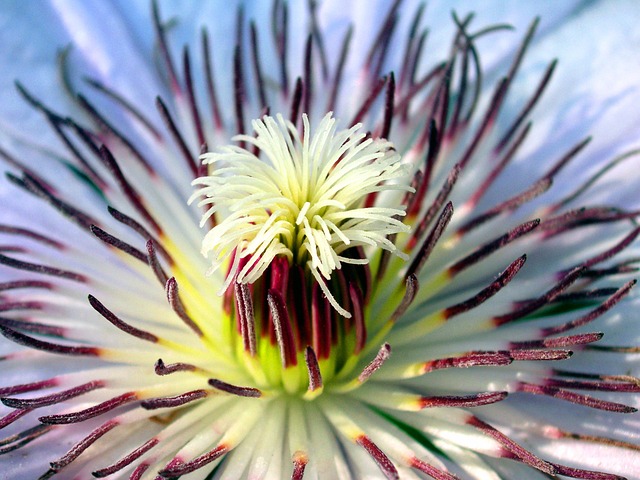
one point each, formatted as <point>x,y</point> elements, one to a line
<point>305,196</point>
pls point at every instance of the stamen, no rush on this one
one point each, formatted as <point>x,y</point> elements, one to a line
<point>300,461</point>
<point>315,377</point>
<point>577,398</point>
<point>246,319</point>
<point>164,48</point>
<point>462,401</point>
<point>21,439</point>
<point>111,130</point>
<point>119,323</point>
<point>31,342</point>
<point>177,306</point>
<point>191,95</point>
<point>180,469</point>
<point>511,446</point>
<point>117,243</point>
<point>411,290</point>
<point>143,232</point>
<point>209,76</point>
<point>533,100</point>
<point>44,191</point>
<point>257,69</point>
<point>386,465</point>
<point>161,369</point>
<point>471,359</point>
<point>154,263</point>
<point>132,195</point>
<point>31,235</point>
<point>585,474</point>
<point>492,246</point>
<point>189,159</point>
<point>11,417</point>
<point>83,444</point>
<point>545,299</point>
<point>234,389</point>
<point>383,355</point>
<point>28,387</point>
<point>30,403</point>
<point>337,77</point>
<point>580,339</point>
<point>126,105</point>
<point>91,412</point>
<point>282,325</point>
<point>430,242</point>
<point>238,90</point>
<point>126,460</point>
<point>175,401</point>
<point>280,28</point>
<point>430,214</point>
<point>430,470</point>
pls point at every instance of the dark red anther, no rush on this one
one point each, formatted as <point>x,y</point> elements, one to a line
<point>36,344</point>
<point>512,447</point>
<point>143,232</point>
<point>412,286</point>
<point>117,243</point>
<point>485,294</point>
<point>320,323</point>
<point>282,326</point>
<point>436,205</point>
<point>41,189</point>
<point>245,316</point>
<point>468,360</point>
<point>386,465</point>
<point>296,100</point>
<point>382,356</point>
<point>83,444</point>
<point>161,368</point>
<point>308,76</point>
<point>462,401</point>
<point>29,403</point>
<point>492,246</point>
<point>126,460</point>
<point>257,69</point>
<point>91,412</point>
<point>173,297</point>
<point>337,77</point>
<point>577,398</point>
<point>130,192</point>
<point>174,401</point>
<point>235,389</point>
<point>357,312</point>
<point>119,323</point>
<point>164,49</point>
<point>549,296</point>
<point>430,242</point>
<point>300,312</point>
<point>211,86</point>
<point>177,136</point>
<point>126,106</point>
<point>313,368</point>
<point>593,314</point>
<point>191,95</point>
<point>431,471</point>
<point>187,467</point>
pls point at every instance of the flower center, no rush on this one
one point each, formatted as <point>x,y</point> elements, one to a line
<point>293,216</point>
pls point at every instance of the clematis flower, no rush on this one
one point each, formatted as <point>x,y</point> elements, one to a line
<point>317,242</point>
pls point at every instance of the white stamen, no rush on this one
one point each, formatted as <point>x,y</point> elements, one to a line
<point>305,195</point>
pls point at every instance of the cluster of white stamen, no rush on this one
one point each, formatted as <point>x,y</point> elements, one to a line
<point>303,199</point>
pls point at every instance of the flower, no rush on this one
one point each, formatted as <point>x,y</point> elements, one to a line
<point>373,280</point>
